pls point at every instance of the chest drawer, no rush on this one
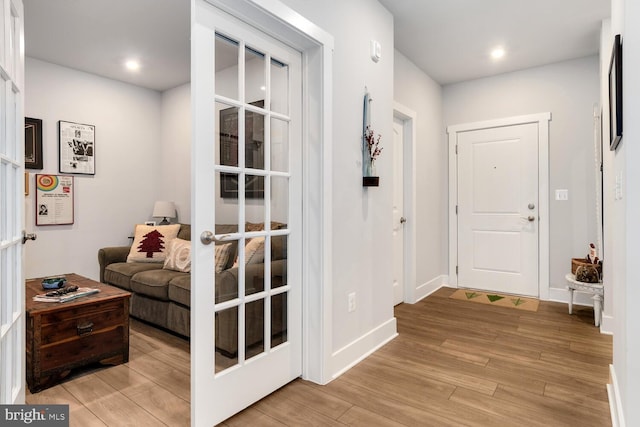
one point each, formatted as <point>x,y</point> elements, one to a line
<point>81,322</point>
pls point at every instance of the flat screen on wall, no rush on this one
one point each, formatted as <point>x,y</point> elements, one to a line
<point>615,94</point>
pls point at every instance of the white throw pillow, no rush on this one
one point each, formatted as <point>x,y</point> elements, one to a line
<point>178,256</point>
<point>150,242</point>
<point>253,252</point>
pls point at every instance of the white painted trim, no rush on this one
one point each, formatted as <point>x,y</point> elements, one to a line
<point>283,23</point>
<point>615,404</point>
<point>358,350</point>
<point>607,324</point>
<point>409,119</point>
<point>562,295</point>
<point>542,119</point>
<point>426,289</point>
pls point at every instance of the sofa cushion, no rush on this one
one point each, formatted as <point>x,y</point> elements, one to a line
<point>150,242</point>
<point>185,232</point>
<point>119,274</point>
<point>180,290</point>
<point>154,283</point>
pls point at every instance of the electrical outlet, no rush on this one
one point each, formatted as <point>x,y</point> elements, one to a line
<point>352,301</point>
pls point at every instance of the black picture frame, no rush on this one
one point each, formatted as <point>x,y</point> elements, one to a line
<point>76,148</point>
<point>253,151</point>
<point>33,143</point>
<point>615,94</point>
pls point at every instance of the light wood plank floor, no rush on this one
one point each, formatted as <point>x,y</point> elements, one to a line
<point>455,363</point>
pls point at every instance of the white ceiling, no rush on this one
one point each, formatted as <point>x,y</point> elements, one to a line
<point>97,36</point>
<point>449,39</point>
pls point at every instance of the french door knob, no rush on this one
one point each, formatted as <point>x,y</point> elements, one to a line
<point>207,237</point>
<point>28,236</point>
<point>531,206</point>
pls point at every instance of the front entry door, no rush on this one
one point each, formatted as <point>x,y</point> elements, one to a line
<point>498,209</point>
<point>246,156</point>
<point>12,347</point>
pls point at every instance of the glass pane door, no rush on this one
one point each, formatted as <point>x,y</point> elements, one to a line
<point>12,321</point>
<point>247,178</point>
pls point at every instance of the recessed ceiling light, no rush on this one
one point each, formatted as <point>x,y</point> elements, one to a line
<point>132,65</point>
<point>497,53</point>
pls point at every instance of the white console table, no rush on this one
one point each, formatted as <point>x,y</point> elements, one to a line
<point>596,289</point>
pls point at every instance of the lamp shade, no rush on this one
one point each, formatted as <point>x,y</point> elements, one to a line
<point>162,209</point>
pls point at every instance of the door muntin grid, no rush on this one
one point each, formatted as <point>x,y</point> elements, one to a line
<point>253,185</point>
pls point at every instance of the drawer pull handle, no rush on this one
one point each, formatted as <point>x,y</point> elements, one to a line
<point>85,328</point>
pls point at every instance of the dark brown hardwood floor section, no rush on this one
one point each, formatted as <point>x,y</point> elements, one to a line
<point>455,363</point>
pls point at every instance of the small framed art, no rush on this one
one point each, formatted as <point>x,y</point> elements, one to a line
<point>76,148</point>
<point>32,143</point>
<point>615,94</point>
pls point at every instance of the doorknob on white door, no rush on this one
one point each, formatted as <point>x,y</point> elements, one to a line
<point>529,218</point>
<point>28,236</point>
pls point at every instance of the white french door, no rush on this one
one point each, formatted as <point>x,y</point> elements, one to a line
<point>246,157</point>
<point>12,348</point>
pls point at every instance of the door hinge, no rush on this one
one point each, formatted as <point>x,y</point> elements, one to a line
<point>456,270</point>
<point>456,209</point>
<point>456,148</point>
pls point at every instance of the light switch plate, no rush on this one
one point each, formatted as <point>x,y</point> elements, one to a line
<point>562,194</point>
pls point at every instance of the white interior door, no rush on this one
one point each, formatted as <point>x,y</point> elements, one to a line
<point>398,212</point>
<point>12,347</point>
<point>246,321</point>
<point>498,209</point>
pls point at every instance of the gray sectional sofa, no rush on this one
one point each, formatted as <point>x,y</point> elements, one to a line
<point>163,297</point>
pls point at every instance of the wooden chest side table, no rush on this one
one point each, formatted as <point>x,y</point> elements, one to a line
<point>64,336</point>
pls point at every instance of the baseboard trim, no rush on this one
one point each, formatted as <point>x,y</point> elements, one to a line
<point>606,326</point>
<point>615,404</point>
<point>562,295</point>
<point>426,289</point>
<point>352,354</point>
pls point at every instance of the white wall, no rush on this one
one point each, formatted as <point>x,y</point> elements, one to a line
<point>625,212</point>
<point>174,149</point>
<point>121,193</point>
<point>421,94</point>
<point>630,226</point>
<point>569,91</point>
<point>362,217</point>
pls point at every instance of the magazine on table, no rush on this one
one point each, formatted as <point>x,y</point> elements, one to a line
<point>81,292</point>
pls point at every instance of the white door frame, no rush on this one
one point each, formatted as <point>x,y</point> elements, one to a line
<point>542,119</point>
<point>408,118</point>
<point>284,24</point>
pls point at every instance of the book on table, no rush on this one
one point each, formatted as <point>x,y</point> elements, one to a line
<point>81,292</point>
